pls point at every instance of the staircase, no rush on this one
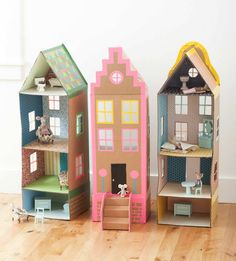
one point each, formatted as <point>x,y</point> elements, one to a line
<point>115,212</point>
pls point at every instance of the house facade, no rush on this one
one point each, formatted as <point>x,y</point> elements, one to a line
<point>188,112</point>
<point>120,153</point>
<point>64,108</point>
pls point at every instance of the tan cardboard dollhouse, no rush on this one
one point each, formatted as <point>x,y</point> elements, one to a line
<point>188,141</point>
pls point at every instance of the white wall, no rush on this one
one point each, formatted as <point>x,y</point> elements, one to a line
<point>151,33</point>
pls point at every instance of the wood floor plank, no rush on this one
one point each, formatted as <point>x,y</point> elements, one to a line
<point>83,240</point>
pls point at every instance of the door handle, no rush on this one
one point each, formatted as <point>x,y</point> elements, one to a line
<point>113,180</point>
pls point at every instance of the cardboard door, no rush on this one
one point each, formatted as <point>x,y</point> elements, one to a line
<point>118,176</point>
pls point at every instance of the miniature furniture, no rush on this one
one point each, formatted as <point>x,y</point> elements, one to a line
<point>120,134</point>
<point>184,209</point>
<point>19,213</point>
<point>188,185</point>
<point>188,109</point>
<point>39,216</point>
<point>44,203</point>
<point>55,150</point>
<point>205,140</point>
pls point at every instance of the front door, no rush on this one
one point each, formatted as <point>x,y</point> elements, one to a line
<point>118,176</point>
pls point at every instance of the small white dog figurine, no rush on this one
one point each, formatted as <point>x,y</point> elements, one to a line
<point>123,190</point>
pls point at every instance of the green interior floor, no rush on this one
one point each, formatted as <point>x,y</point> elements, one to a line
<point>47,184</point>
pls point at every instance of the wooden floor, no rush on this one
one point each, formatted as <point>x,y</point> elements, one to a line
<point>83,240</point>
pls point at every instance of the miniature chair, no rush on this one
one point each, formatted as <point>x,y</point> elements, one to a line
<point>39,217</point>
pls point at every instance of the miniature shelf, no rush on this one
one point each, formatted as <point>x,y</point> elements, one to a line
<point>196,219</point>
<point>55,91</point>
<point>59,145</point>
<point>199,153</point>
<point>47,184</point>
<point>176,190</point>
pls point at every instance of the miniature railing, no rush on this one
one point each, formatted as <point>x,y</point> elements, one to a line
<point>130,210</point>
<point>102,208</point>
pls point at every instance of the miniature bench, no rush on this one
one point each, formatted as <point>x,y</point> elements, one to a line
<point>183,209</point>
<point>44,203</point>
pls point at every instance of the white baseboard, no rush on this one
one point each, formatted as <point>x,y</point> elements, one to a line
<point>10,182</point>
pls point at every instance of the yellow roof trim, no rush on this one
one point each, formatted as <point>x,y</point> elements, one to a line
<point>188,47</point>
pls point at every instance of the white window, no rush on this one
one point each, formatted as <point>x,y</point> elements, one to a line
<point>79,124</point>
<point>130,112</point>
<point>200,129</point>
<point>105,139</point>
<point>162,126</point>
<point>55,125</point>
<point>79,166</point>
<point>130,140</point>
<point>217,127</point>
<point>205,105</point>
<point>116,77</point>
<point>162,168</point>
<point>33,162</point>
<point>31,118</point>
<point>181,104</point>
<point>181,131</point>
<point>193,72</point>
<point>54,103</point>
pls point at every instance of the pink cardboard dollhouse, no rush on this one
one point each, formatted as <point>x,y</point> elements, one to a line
<point>120,135</point>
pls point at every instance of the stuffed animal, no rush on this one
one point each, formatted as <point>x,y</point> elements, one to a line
<point>18,213</point>
<point>44,133</point>
<point>123,190</point>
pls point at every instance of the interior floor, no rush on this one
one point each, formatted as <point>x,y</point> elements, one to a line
<point>48,183</point>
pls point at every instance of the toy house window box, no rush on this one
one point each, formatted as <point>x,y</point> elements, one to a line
<point>79,124</point>
<point>105,139</point>
<point>105,111</point>
<point>181,104</point>
<point>31,118</point>
<point>54,102</point>
<point>33,162</point>
<point>130,112</point>
<point>55,125</point>
<point>130,139</point>
<point>205,105</point>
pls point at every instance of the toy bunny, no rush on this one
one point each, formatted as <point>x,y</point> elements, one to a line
<point>44,133</point>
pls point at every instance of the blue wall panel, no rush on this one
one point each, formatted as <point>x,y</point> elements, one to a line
<point>162,112</point>
<point>205,168</point>
<point>176,168</point>
<point>63,161</point>
<point>28,198</point>
<point>29,103</point>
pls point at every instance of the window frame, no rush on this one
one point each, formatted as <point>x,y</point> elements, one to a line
<point>104,112</point>
<point>130,140</point>
<point>79,166</point>
<point>54,127</point>
<point>32,121</point>
<point>105,139</point>
<point>115,81</point>
<point>129,112</point>
<point>181,131</point>
<point>53,100</point>
<point>33,162</point>
<point>181,105</point>
<point>79,124</point>
<point>204,105</point>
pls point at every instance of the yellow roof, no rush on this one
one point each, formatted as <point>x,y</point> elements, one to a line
<point>195,47</point>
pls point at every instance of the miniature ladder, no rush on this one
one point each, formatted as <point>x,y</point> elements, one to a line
<point>116,212</point>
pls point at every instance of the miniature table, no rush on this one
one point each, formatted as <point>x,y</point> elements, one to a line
<point>188,185</point>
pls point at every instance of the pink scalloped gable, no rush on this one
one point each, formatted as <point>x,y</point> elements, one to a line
<point>121,60</point>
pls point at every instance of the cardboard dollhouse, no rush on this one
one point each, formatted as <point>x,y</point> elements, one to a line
<point>55,93</point>
<point>188,141</point>
<point>120,136</point>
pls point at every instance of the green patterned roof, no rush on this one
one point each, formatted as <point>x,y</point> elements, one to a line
<point>66,70</point>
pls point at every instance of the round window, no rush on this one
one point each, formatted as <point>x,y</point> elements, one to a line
<point>193,72</point>
<point>116,77</point>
